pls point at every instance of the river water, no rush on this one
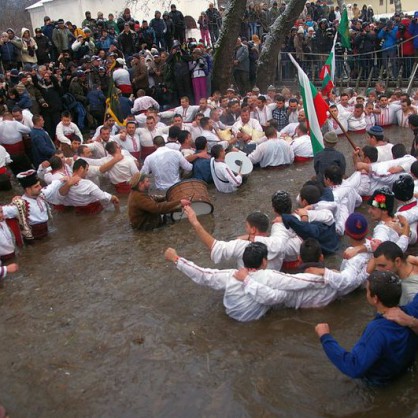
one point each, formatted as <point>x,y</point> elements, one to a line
<point>97,324</point>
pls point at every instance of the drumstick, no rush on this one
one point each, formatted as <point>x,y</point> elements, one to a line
<point>240,164</point>
<point>182,210</point>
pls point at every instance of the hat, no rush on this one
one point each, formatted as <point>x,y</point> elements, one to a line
<point>403,188</point>
<point>14,73</point>
<point>38,30</point>
<point>271,88</point>
<point>231,89</point>
<point>383,199</point>
<point>300,30</point>
<point>255,90</point>
<point>356,226</point>
<point>331,137</point>
<point>102,69</point>
<point>60,21</point>
<point>120,61</point>
<point>22,75</point>
<point>95,58</point>
<point>311,29</point>
<point>413,120</point>
<point>27,67</point>
<point>27,178</point>
<point>136,179</point>
<point>376,131</point>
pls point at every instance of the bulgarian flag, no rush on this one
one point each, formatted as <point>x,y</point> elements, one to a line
<point>315,108</point>
<point>344,31</point>
<point>328,71</point>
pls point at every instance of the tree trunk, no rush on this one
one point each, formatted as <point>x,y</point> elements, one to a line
<point>267,62</point>
<point>398,6</point>
<point>224,54</point>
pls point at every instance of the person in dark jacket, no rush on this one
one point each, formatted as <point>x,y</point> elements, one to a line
<point>179,24</point>
<point>146,35</point>
<point>159,26</point>
<point>8,53</point>
<point>127,41</point>
<point>44,47</point>
<point>169,34</point>
<point>42,146</point>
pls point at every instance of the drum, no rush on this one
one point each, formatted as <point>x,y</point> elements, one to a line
<point>194,190</point>
<point>236,160</point>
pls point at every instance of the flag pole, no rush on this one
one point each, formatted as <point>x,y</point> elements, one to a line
<point>344,131</point>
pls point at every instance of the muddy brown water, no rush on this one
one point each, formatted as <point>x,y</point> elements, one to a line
<point>97,324</point>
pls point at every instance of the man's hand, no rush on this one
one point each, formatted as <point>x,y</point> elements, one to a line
<point>301,212</point>
<point>185,202</point>
<point>12,268</point>
<point>241,274</point>
<point>350,252</point>
<point>322,329</point>
<point>45,164</point>
<point>399,316</point>
<point>73,180</point>
<point>191,215</point>
<point>115,201</point>
<point>395,170</point>
<point>171,255</point>
<point>405,229</point>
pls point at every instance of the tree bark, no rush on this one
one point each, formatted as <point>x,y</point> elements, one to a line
<point>398,6</point>
<point>224,54</point>
<point>267,62</point>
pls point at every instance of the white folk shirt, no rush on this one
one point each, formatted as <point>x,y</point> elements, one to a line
<point>225,180</point>
<point>252,123</point>
<point>302,146</point>
<point>240,304</point>
<point>262,115</point>
<point>7,245</point>
<point>387,115</point>
<point>4,157</point>
<point>293,117</point>
<point>370,120</point>
<point>233,250</point>
<point>214,139</point>
<point>165,164</point>
<point>290,129</point>
<point>11,132</point>
<point>130,144</point>
<point>384,152</point>
<point>333,125</point>
<point>195,131</point>
<point>121,172</point>
<point>411,215</point>
<point>37,207</point>
<point>84,193</point>
<point>62,131</point>
<point>188,113</point>
<point>302,290</point>
<point>144,103</point>
<point>402,118</point>
<point>146,136</point>
<point>272,153</point>
<point>382,168</point>
<point>383,232</point>
<point>49,177</point>
<point>357,124</point>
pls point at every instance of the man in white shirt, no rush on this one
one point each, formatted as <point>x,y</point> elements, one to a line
<point>147,135</point>
<point>302,145</point>
<point>165,164</point>
<point>275,152</point>
<point>262,112</point>
<point>211,137</point>
<point>187,111</point>
<point>290,129</point>
<point>246,129</point>
<point>66,128</point>
<point>386,112</point>
<point>225,180</point>
<point>11,137</point>
<point>357,121</point>
<point>122,171</point>
<point>85,196</point>
<point>128,140</point>
<point>23,116</point>
<point>376,138</point>
<point>341,117</point>
<point>142,103</point>
<point>98,146</point>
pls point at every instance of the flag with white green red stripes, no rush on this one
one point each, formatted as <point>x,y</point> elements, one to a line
<point>315,108</point>
<point>327,73</point>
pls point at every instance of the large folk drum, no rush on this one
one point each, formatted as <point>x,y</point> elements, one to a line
<point>194,190</point>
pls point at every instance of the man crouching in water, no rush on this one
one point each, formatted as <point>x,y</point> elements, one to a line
<point>144,210</point>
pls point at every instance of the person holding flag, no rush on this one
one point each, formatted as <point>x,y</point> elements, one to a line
<point>315,108</point>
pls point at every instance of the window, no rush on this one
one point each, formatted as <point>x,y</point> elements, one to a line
<point>380,2</point>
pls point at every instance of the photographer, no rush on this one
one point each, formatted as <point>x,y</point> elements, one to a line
<point>413,31</point>
<point>407,46</point>
<point>388,35</point>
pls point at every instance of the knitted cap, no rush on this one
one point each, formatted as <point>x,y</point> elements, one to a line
<point>403,188</point>
<point>27,178</point>
<point>375,131</point>
<point>383,199</point>
<point>356,226</point>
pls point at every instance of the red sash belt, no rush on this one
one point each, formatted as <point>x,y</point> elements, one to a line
<point>123,188</point>
<point>40,231</point>
<point>3,170</point>
<point>90,209</point>
<point>125,88</point>
<point>145,151</point>
<point>408,206</point>
<point>15,149</point>
<point>13,224</point>
<point>60,208</point>
<point>136,154</point>
<point>365,198</point>
<point>299,159</point>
